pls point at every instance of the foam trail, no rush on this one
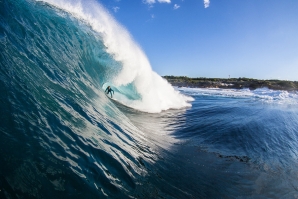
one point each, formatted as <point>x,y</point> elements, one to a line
<point>156,93</point>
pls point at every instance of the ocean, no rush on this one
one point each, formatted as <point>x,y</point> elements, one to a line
<point>62,137</point>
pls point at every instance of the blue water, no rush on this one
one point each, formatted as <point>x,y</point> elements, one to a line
<point>61,137</point>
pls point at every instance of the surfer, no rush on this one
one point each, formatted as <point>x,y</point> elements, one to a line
<point>109,90</point>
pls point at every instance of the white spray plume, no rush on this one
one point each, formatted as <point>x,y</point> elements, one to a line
<point>157,94</point>
<point>153,1</point>
<point>149,1</point>
<point>116,9</point>
<point>164,1</point>
<point>176,6</point>
<point>206,3</point>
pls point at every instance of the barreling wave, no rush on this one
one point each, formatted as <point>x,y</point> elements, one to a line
<point>55,118</point>
<point>125,63</point>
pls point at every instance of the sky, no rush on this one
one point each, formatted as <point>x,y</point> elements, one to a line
<point>214,38</point>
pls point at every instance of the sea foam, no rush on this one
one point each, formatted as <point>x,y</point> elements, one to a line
<point>262,94</point>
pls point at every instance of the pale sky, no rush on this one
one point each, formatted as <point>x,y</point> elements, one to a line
<point>216,38</point>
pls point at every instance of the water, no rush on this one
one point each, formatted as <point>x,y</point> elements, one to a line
<point>61,137</point>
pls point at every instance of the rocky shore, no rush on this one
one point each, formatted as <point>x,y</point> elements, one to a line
<point>235,83</point>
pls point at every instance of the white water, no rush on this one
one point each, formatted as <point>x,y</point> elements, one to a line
<point>263,94</point>
<point>157,94</point>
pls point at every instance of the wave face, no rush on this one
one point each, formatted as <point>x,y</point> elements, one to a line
<point>60,135</point>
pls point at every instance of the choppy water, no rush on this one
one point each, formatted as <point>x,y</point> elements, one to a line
<point>61,137</point>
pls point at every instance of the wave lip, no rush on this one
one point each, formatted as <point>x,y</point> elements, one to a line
<point>156,94</point>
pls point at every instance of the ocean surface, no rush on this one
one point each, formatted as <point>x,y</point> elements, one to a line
<point>62,137</point>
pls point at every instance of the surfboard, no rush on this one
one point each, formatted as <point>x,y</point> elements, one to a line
<point>117,102</point>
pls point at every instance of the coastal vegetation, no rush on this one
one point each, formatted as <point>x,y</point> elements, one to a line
<point>236,83</point>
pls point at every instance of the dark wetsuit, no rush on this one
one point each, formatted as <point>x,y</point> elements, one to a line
<point>109,91</point>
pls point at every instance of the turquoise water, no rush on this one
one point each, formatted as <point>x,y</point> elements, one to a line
<point>61,137</point>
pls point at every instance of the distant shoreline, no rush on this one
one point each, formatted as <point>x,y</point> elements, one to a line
<point>231,83</point>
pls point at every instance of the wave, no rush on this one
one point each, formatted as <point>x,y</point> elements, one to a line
<point>131,66</point>
<point>57,126</point>
<point>263,94</point>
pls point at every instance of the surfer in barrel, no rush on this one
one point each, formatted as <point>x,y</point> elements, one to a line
<point>109,90</point>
